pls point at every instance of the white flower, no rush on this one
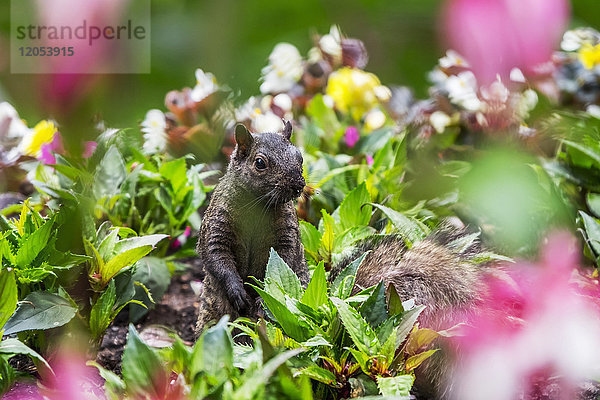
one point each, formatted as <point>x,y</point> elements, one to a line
<point>206,84</point>
<point>283,101</point>
<point>374,119</point>
<point>267,122</point>
<point>593,110</point>
<point>383,93</point>
<point>574,39</point>
<point>248,110</point>
<point>328,101</point>
<point>284,69</point>
<point>462,90</point>
<point>453,59</point>
<point>496,92</point>
<point>332,44</point>
<point>440,120</point>
<point>155,135</point>
<point>527,102</point>
<point>11,126</point>
<point>516,75</point>
<point>526,131</point>
<point>437,77</point>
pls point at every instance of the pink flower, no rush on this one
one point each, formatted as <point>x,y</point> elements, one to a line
<point>370,160</point>
<point>48,150</point>
<point>496,36</point>
<point>351,136</point>
<point>90,147</point>
<point>72,379</point>
<point>534,325</point>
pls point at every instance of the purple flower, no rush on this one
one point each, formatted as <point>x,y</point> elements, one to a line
<point>496,36</point>
<point>351,136</point>
<point>369,160</point>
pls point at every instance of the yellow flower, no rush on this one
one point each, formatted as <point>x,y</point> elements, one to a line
<point>41,134</point>
<point>355,91</point>
<point>589,55</point>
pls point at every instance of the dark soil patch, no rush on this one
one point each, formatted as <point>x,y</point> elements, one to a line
<point>177,310</point>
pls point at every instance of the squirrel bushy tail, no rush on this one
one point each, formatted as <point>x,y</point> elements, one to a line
<point>438,272</point>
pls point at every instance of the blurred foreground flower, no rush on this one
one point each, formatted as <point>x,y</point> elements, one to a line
<point>499,35</point>
<point>42,134</point>
<point>12,131</point>
<point>534,331</point>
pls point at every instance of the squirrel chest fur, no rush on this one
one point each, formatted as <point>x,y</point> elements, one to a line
<point>250,212</point>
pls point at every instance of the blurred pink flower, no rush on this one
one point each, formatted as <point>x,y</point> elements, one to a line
<point>72,379</point>
<point>71,77</point>
<point>90,147</point>
<point>48,150</point>
<point>496,36</point>
<point>535,329</point>
<point>370,160</point>
<point>181,239</point>
<point>351,136</point>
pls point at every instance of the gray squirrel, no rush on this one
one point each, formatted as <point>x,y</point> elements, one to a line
<point>251,211</point>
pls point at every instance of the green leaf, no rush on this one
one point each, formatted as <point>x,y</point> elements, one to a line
<point>153,273</point>
<point>8,299</point>
<point>360,331</point>
<point>123,260</point>
<point>592,228</point>
<point>316,291</point>
<point>416,360</point>
<point>34,244</point>
<point>280,279</point>
<point>408,320</point>
<point>344,282</point>
<point>175,172</point>
<point>217,350</point>
<point>407,227</point>
<point>14,346</point>
<point>255,382</point>
<point>593,202</point>
<point>143,371</point>
<point>355,210</point>
<point>291,324</point>
<point>328,233</point>
<point>311,239</point>
<point>40,310</point>
<point>394,302</point>
<point>110,173</point>
<point>134,242</point>
<point>463,243</point>
<point>102,310</point>
<point>107,246</point>
<point>318,374</point>
<point>374,309</point>
<point>399,385</point>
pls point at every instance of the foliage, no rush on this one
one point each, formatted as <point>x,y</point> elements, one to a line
<point>351,340</point>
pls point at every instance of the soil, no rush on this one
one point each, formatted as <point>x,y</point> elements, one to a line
<point>176,311</point>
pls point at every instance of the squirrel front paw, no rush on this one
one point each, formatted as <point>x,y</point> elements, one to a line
<point>239,299</point>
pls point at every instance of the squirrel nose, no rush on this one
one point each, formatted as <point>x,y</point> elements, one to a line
<point>299,186</point>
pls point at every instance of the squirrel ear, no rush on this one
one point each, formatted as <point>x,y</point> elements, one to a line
<point>243,138</point>
<point>287,129</point>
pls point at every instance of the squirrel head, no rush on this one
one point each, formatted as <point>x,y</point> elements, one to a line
<point>268,165</point>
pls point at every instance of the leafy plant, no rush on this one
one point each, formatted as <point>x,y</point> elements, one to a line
<point>213,368</point>
<point>352,341</point>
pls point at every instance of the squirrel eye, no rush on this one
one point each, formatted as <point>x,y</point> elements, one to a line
<point>260,163</point>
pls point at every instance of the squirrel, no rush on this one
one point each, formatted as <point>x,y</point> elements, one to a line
<point>251,211</point>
